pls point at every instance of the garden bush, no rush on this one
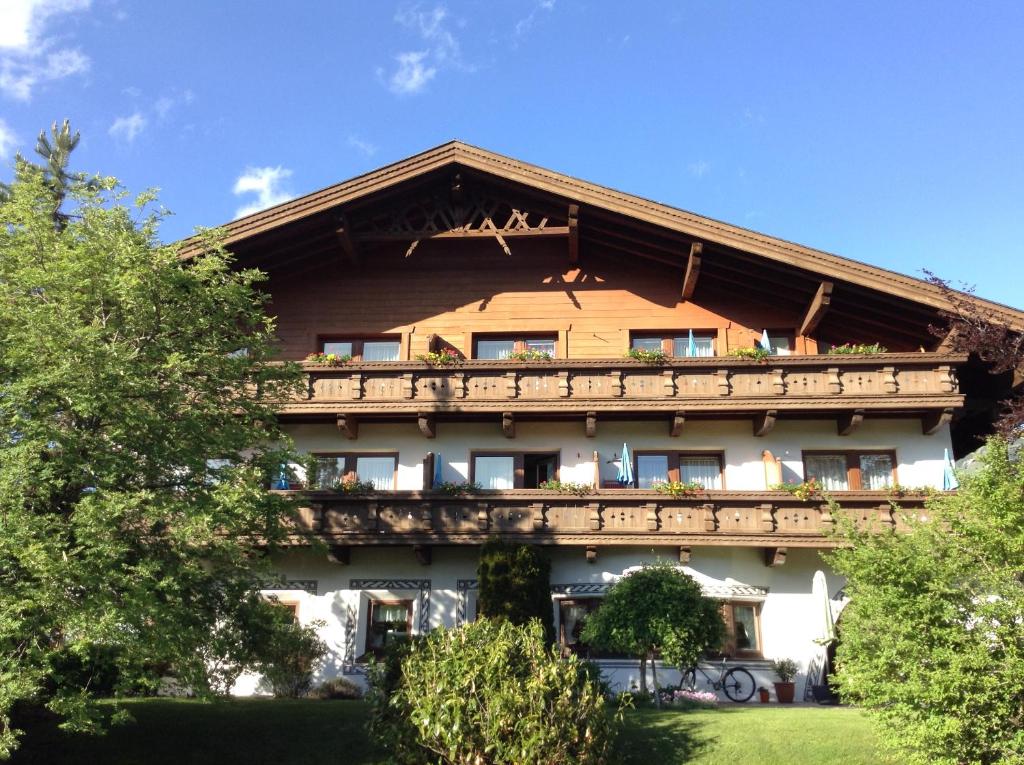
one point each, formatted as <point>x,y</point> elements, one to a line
<point>291,656</point>
<point>337,688</point>
<point>488,693</point>
<point>515,584</point>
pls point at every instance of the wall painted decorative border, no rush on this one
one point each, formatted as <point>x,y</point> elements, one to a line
<point>462,588</point>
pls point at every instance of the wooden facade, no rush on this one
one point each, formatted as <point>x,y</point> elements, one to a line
<point>458,245</point>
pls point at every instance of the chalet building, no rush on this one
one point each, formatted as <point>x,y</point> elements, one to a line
<point>537,286</point>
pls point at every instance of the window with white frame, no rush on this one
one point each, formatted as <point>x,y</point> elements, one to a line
<point>850,470</point>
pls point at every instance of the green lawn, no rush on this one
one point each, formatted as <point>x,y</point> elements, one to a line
<point>314,732</point>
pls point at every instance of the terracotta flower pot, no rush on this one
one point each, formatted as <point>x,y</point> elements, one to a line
<point>764,695</point>
<point>784,692</point>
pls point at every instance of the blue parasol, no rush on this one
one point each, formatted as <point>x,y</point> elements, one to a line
<point>625,476</point>
<point>438,465</point>
<point>691,347</point>
<point>949,479</point>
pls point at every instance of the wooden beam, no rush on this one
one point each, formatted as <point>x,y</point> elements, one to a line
<point>427,424</point>
<point>848,422</point>
<point>423,554</point>
<point>675,426</point>
<point>764,422</point>
<point>487,233</point>
<point>947,344</point>
<point>574,233</point>
<point>340,554</point>
<point>774,556</point>
<point>348,425</point>
<point>932,422</point>
<point>684,555</point>
<point>591,554</point>
<point>508,424</point>
<point>692,270</point>
<point>591,424</point>
<point>348,244</point>
<point>816,310</point>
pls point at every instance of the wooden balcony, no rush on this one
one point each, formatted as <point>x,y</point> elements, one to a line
<point>770,519</point>
<point>922,384</point>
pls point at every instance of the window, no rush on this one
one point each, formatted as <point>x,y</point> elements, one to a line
<point>742,629</point>
<point>677,343</point>
<point>520,470</point>
<point>846,471</point>
<point>504,346</point>
<point>388,621</point>
<point>687,467</point>
<point>376,349</point>
<point>781,343</point>
<point>572,615</point>
<point>291,606</point>
<point>332,469</point>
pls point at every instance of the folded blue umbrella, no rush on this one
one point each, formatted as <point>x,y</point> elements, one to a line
<point>949,479</point>
<point>625,475</point>
<point>765,343</point>
<point>438,473</point>
<point>691,348</point>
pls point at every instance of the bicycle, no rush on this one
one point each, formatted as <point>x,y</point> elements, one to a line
<point>737,683</point>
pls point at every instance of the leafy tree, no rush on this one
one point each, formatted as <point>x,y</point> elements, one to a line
<point>658,609</point>
<point>136,442</point>
<point>933,637</point>
<point>489,692</point>
<point>515,584</point>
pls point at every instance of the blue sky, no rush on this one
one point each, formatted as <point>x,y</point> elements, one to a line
<point>887,132</point>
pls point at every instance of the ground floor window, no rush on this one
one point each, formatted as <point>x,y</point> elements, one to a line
<point>742,629</point>
<point>388,621</point>
<point>572,615</point>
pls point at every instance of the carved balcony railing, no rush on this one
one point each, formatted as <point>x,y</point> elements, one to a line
<point>607,517</point>
<point>903,382</point>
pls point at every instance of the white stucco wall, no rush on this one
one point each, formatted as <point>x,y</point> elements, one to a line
<point>790,615</point>
<point>919,458</point>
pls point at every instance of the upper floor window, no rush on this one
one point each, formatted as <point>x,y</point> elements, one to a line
<point>332,469</point>
<point>850,471</point>
<point>677,344</point>
<point>503,347</point>
<point>363,349</point>
<point>653,468</point>
<point>781,343</point>
<point>514,470</point>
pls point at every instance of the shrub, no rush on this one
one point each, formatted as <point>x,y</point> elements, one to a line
<point>932,639</point>
<point>515,584</point>
<point>291,656</point>
<point>337,688</point>
<point>489,692</point>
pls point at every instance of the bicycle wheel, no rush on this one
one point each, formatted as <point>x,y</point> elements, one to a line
<point>688,680</point>
<point>738,684</point>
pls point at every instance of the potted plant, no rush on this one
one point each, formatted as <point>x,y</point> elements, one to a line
<point>762,693</point>
<point>785,670</point>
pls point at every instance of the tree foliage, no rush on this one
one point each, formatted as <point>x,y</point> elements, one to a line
<point>515,584</point>
<point>658,608</point>
<point>932,641</point>
<point>135,445</point>
<point>490,692</point>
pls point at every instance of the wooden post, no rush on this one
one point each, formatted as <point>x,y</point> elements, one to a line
<point>574,233</point>
<point>816,310</point>
<point>692,271</point>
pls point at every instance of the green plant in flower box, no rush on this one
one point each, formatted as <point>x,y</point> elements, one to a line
<point>443,358</point>
<point>647,356</point>
<point>856,349</point>
<point>678,488</point>
<point>329,359</point>
<point>567,487</point>
<point>757,353</point>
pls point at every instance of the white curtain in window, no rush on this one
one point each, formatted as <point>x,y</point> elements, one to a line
<point>704,470</point>
<point>647,343</point>
<point>339,349</point>
<point>494,349</point>
<point>651,469</point>
<point>702,346</point>
<point>745,624</point>
<point>828,469</point>
<point>780,345</point>
<point>380,350</point>
<point>380,471</point>
<point>329,471</point>
<point>541,346</point>
<point>875,471</point>
<point>494,472</point>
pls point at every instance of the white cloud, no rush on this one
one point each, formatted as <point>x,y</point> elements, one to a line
<point>700,168</point>
<point>412,74</point>
<point>127,128</point>
<point>526,23</point>
<point>265,182</point>
<point>365,148</point>
<point>26,57</point>
<point>7,141</point>
<point>416,68</point>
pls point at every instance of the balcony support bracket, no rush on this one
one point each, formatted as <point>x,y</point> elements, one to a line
<point>932,422</point>
<point>348,425</point>
<point>676,426</point>
<point>774,556</point>
<point>816,310</point>
<point>423,553</point>
<point>591,424</point>
<point>340,554</point>
<point>684,555</point>
<point>591,554</point>
<point>508,424</point>
<point>764,422</point>
<point>427,424</point>
<point>848,422</point>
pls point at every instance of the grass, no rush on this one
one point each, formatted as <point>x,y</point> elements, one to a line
<point>314,732</point>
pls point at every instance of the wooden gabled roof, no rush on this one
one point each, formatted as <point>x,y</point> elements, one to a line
<point>589,195</point>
